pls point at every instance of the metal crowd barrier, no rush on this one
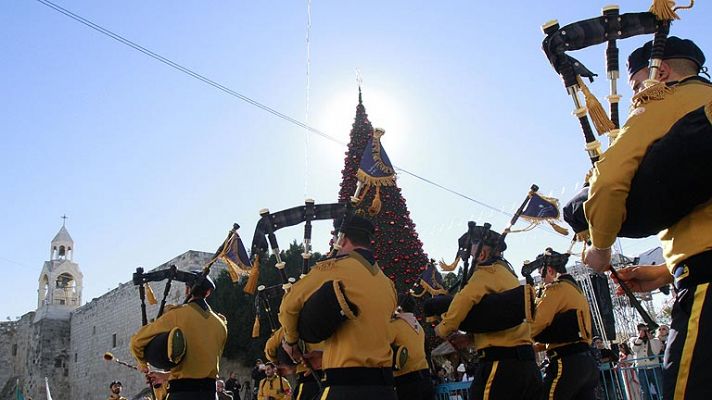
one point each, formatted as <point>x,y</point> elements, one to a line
<point>635,379</point>
<point>453,391</point>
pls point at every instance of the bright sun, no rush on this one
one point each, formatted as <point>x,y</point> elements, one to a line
<point>384,111</point>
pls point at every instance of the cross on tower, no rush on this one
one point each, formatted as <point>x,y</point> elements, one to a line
<point>64,219</point>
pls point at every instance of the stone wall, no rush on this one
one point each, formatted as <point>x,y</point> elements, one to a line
<point>32,351</point>
<point>106,324</point>
<point>68,348</point>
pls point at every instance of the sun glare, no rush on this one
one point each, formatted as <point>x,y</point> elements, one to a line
<point>383,111</point>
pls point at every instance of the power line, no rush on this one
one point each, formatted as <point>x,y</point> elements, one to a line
<point>247,99</point>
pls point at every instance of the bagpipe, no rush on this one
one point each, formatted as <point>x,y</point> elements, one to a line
<point>568,326</point>
<point>495,311</point>
<point>673,176</point>
<point>166,350</point>
<point>268,298</point>
<point>647,211</point>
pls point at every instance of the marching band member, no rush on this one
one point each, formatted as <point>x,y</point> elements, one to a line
<point>273,387</point>
<point>412,379</point>
<point>687,244</point>
<point>201,330</point>
<point>357,356</point>
<point>572,372</point>
<point>507,367</point>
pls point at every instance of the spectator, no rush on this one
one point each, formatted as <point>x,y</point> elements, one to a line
<point>663,332</point>
<point>440,376</point>
<point>627,372</point>
<point>220,389</point>
<point>232,385</point>
<point>258,373</point>
<point>646,351</point>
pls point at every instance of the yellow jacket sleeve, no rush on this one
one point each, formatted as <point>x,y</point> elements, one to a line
<point>147,332</point>
<point>461,304</point>
<point>546,309</point>
<point>294,300</point>
<point>273,344</point>
<point>612,176</point>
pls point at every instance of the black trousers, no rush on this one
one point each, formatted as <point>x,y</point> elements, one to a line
<point>307,390</point>
<point>420,389</point>
<point>688,356</point>
<point>358,393</point>
<point>574,376</point>
<point>506,379</point>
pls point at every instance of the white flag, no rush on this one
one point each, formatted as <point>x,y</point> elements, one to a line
<point>49,396</point>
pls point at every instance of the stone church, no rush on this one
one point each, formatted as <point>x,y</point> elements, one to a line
<point>64,341</point>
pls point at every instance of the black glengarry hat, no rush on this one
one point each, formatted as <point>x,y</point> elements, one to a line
<point>674,48</point>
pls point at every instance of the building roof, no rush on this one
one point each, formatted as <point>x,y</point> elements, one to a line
<point>62,236</point>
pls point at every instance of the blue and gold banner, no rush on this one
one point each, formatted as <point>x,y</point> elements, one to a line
<point>431,281</point>
<point>375,168</point>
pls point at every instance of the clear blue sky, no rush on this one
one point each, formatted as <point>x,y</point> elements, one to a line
<point>148,162</point>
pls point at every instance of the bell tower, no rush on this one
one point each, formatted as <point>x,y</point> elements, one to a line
<point>60,282</point>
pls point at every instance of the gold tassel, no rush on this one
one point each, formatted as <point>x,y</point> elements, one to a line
<point>376,203</point>
<point>449,267</point>
<point>251,284</point>
<point>233,272</point>
<point>656,91</point>
<point>664,10</point>
<point>256,327</point>
<point>598,115</point>
<point>559,229</point>
<point>150,296</point>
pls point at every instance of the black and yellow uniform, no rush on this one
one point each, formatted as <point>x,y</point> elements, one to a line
<point>572,372</point>
<point>507,368</point>
<point>117,397</point>
<point>413,379</point>
<point>205,333</point>
<point>274,388</point>
<point>357,357</point>
<point>687,245</point>
<point>307,386</point>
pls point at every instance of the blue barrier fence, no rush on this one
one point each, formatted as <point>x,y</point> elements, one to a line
<point>453,391</point>
<point>638,379</point>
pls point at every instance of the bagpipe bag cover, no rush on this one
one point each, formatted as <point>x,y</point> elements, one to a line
<point>324,311</point>
<point>495,311</point>
<point>166,350</point>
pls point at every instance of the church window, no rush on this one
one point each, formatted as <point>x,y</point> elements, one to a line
<point>113,340</point>
<point>93,330</point>
<point>14,349</point>
<point>58,362</point>
<point>75,357</point>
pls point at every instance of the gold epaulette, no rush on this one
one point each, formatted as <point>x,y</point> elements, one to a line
<point>327,264</point>
<point>656,91</point>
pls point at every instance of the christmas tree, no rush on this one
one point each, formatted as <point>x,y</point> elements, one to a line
<point>398,250</point>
